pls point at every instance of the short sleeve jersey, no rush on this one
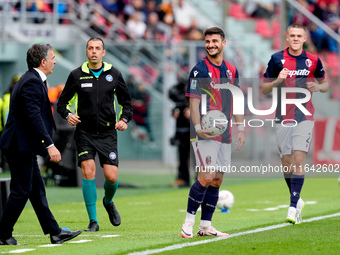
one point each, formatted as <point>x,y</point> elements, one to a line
<point>204,79</point>
<point>302,69</point>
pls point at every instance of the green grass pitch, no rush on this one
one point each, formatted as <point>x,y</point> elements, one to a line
<point>153,213</point>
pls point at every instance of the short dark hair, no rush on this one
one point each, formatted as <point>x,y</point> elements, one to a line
<point>214,30</point>
<point>36,53</point>
<point>297,25</point>
<point>96,39</point>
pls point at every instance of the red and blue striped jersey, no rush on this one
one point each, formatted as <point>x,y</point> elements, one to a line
<point>302,69</point>
<point>203,79</point>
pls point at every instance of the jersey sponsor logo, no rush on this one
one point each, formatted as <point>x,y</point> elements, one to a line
<point>193,84</point>
<point>112,155</point>
<point>308,62</point>
<point>109,78</point>
<point>195,73</point>
<point>86,85</point>
<point>300,72</point>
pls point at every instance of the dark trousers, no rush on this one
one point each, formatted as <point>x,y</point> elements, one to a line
<point>26,183</point>
<point>184,156</point>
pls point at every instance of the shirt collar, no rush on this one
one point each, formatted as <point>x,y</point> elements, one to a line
<point>41,74</point>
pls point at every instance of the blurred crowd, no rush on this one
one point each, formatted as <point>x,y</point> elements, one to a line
<point>120,19</point>
<point>174,19</point>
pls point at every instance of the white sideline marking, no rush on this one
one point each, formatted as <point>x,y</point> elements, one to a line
<point>20,251</point>
<point>49,245</point>
<point>180,246</point>
<point>278,207</point>
<point>80,241</point>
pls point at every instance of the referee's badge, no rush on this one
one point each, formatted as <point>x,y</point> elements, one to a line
<point>113,156</point>
<point>109,78</point>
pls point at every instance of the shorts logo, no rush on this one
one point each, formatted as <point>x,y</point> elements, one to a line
<point>308,140</point>
<point>308,62</point>
<point>113,156</point>
<point>82,153</point>
<point>109,78</point>
<point>208,160</point>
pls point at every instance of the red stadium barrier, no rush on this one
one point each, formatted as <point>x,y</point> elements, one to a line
<point>327,141</point>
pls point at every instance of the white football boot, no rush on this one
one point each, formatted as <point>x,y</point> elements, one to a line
<point>187,227</point>
<point>210,231</point>
<point>299,207</point>
<point>291,215</point>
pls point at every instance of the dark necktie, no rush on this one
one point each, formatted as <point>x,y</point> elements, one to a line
<point>46,85</point>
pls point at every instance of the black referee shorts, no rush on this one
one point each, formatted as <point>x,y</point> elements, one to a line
<point>104,143</point>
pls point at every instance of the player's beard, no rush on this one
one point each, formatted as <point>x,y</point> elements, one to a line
<point>219,50</point>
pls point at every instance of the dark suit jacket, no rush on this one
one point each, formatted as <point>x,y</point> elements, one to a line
<point>30,122</point>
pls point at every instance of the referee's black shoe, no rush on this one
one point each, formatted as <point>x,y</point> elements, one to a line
<point>93,226</point>
<point>113,213</point>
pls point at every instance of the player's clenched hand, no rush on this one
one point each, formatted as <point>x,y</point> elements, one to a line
<point>206,134</point>
<point>283,74</point>
<point>54,154</point>
<point>73,120</point>
<point>240,140</point>
<point>313,87</point>
<point>121,125</point>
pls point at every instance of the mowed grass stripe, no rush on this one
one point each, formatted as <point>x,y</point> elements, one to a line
<point>258,230</point>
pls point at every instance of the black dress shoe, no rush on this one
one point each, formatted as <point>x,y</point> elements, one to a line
<point>10,241</point>
<point>64,236</point>
<point>93,226</point>
<point>113,213</point>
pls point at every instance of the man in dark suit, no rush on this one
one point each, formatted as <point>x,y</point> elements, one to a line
<point>28,133</point>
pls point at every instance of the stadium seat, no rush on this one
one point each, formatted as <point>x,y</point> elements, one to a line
<point>332,61</point>
<point>263,28</point>
<point>236,11</point>
<point>276,27</point>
